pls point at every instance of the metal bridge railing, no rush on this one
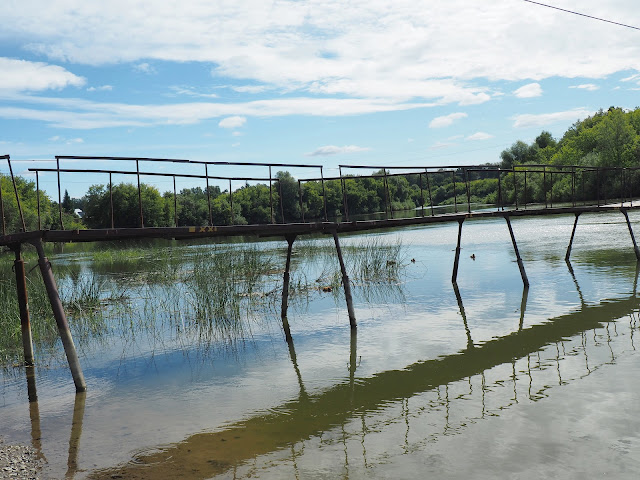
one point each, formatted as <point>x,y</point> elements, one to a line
<point>518,187</point>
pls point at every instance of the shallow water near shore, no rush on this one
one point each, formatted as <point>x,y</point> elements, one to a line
<point>486,380</point>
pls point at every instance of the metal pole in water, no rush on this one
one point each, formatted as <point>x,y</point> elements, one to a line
<point>523,274</point>
<point>454,276</point>
<point>285,285</point>
<point>573,233</point>
<point>61,318</point>
<point>635,245</point>
<point>345,283</point>
<point>23,303</point>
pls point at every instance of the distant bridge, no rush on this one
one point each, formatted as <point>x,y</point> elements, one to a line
<point>609,189</point>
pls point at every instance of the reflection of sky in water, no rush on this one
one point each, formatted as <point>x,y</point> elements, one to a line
<point>159,389</point>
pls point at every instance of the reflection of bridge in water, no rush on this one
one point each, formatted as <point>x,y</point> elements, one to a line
<point>430,397</point>
<point>593,190</point>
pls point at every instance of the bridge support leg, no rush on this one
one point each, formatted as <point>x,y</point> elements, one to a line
<point>573,234</point>
<point>454,276</point>
<point>285,285</point>
<point>635,245</point>
<point>523,274</point>
<point>23,303</point>
<point>61,318</point>
<point>345,283</point>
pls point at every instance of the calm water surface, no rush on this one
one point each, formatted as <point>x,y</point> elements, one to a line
<point>489,381</point>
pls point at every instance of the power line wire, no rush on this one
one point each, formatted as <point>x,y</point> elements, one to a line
<point>583,15</point>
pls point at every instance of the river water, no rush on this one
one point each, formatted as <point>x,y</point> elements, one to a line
<point>488,381</point>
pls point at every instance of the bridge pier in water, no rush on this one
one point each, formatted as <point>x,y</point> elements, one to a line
<point>573,234</point>
<point>523,274</point>
<point>61,318</point>
<point>633,238</point>
<point>23,304</point>
<point>345,282</point>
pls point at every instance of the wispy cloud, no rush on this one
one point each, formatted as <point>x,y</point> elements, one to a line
<point>543,119</point>
<point>479,136</point>
<point>440,145</point>
<point>232,122</point>
<point>530,90</point>
<point>446,120</point>
<point>145,68</point>
<point>190,92</point>
<point>102,88</point>
<point>591,87</point>
<point>335,150</point>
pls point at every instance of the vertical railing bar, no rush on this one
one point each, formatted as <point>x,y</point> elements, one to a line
<point>59,193</point>
<point>421,195</point>
<point>525,190</point>
<point>15,189</point>
<point>500,190</point>
<point>38,199</point>
<point>455,196</point>
<point>175,202</point>
<point>466,177</point>
<point>515,187</point>
<point>271,194</point>
<point>388,193</point>
<point>4,226</point>
<point>544,185</point>
<point>300,197</point>
<point>281,201</point>
<point>139,194</point>
<point>231,203</point>
<point>324,196</point>
<point>426,172</point>
<point>206,174</point>
<point>111,200</point>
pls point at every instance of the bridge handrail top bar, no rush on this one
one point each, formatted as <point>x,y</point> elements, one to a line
<point>5,157</point>
<point>142,159</point>
<point>255,164</point>
<point>157,174</point>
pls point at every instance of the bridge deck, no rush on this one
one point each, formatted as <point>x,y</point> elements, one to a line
<point>285,229</point>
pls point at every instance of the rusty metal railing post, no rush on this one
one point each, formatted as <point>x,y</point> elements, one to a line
<point>466,179</point>
<point>421,195</point>
<point>324,196</point>
<point>573,233</point>
<point>544,185</point>
<point>111,201</point>
<point>426,173</point>
<point>206,174</point>
<point>38,200</point>
<point>343,186</point>
<point>139,194</point>
<point>454,275</point>
<point>345,283</point>
<point>500,190</point>
<point>271,195</point>
<point>551,191</point>
<point>4,223</point>
<point>523,274</point>
<point>175,202</point>
<point>525,190</point>
<point>231,202</point>
<point>515,188</point>
<point>15,189</point>
<point>455,195</point>
<point>61,318</point>
<point>285,281</point>
<point>300,197</point>
<point>23,304</point>
<point>387,196</point>
<point>59,193</point>
<point>281,201</point>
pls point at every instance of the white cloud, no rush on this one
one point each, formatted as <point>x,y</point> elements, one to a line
<point>232,122</point>
<point>529,91</point>
<point>250,88</point>
<point>446,120</point>
<point>145,68</point>
<point>102,88</point>
<point>21,75</point>
<point>353,48</point>
<point>479,136</point>
<point>543,119</point>
<point>586,86</point>
<point>335,150</point>
<point>190,92</point>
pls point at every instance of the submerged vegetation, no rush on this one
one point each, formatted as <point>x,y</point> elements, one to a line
<point>189,294</point>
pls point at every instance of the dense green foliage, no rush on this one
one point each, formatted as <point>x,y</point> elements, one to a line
<point>607,139</point>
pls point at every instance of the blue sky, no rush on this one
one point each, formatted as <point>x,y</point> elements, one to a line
<point>319,82</point>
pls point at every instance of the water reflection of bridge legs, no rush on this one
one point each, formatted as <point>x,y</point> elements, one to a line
<point>36,431</point>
